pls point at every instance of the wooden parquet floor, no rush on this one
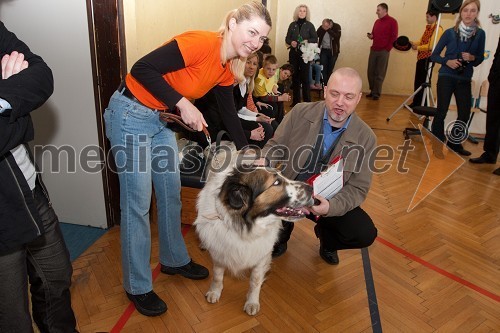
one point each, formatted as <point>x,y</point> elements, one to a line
<point>446,281</point>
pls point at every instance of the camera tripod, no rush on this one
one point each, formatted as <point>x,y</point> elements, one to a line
<point>427,96</point>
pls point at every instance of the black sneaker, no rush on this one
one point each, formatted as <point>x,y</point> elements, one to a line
<point>279,250</point>
<point>148,304</point>
<point>191,271</point>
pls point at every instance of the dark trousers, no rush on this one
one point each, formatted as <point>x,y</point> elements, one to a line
<point>275,110</point>
<point>492,138</point>
<point>446,87</point>
<point>46,262</point>
<point>327,60</point>
<point>300,77</point>
<point>420,78</point>
<point>354,230</point>
<point>249,125</point>
<point>377,68</point>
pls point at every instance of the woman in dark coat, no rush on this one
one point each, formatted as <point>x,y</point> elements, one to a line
<point>299,31</point>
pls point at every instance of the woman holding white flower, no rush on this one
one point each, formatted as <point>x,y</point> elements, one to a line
<point>301,30</point>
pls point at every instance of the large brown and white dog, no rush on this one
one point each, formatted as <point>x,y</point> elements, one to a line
<point>239,217</point>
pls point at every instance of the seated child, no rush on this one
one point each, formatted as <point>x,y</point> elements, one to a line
<point>266,89</point>
<point>316,69</point>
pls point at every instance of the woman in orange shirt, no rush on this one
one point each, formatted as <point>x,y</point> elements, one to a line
<point>145,149</point>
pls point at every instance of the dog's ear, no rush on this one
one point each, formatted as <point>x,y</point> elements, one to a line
<point>238,196</point>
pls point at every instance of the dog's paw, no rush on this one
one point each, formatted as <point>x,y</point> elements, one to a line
<point>212,296</point>
<point>251,308</point>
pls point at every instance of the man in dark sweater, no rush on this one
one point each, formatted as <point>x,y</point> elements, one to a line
<point>329,42</point>
<point>31,242</point>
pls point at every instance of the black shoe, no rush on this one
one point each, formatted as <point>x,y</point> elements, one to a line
<point>484,158</point>
<point>191,271</point>
<point>148,304</point>
<point>458,148</point>
<point>330,257</point>
<point>279,249</point>
<point>496,171</point>
<point>463,152</point>
<point>369,95</point>
<point>376,98</point>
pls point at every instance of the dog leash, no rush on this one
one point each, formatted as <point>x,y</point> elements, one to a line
<point>169,117</point>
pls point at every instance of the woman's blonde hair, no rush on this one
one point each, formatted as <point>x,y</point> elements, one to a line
<point>464,4</point>
<point>251,83</point>
<point>296,13</point>
<point>244,13</point>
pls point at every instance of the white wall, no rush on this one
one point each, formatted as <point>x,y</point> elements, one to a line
<point>356,19</point>
<point>58,32</point>
<point>149,24</point>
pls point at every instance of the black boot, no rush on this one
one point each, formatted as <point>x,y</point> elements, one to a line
<point>329,256</point>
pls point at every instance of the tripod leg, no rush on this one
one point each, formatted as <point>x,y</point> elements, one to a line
<point>404,104</point>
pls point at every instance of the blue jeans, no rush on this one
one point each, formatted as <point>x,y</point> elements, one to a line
<point>446,87</point>
<point>146,154</point>
<point>316,68</point>
<point>46,262</point>
<point>328,60</point>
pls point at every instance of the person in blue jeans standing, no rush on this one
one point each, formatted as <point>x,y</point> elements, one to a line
<point>31,243</point>
<point>169,78</point>
<point>464,45</point>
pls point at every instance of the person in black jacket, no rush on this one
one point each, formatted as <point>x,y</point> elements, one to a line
<point>300,31</point>
<point>492,139</point>
<point>329,42</point>
<point>257,126</point>
<point>31,242</point>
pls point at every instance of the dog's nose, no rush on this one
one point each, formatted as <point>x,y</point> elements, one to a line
<point>308,189</point>
<point>304,190</point>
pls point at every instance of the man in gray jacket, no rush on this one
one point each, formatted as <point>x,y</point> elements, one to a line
<point>310,136</point>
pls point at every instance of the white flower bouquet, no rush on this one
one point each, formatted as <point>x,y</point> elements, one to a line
<point>309,50</point>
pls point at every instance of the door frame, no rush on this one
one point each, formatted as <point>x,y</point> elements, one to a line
<point>109,67</point>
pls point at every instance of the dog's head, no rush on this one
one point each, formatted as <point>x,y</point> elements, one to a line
<point>261,192</point>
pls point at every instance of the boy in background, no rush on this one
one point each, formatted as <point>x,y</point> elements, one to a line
<point>266,89</point>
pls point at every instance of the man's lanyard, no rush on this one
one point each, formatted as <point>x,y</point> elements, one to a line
<point>326,157</point>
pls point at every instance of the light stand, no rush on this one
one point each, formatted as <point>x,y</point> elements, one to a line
<point>427,96</point>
